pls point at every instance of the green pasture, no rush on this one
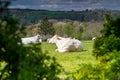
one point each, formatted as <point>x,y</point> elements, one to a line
<point>71,61</point>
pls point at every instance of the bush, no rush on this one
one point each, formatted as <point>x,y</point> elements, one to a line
<point>37,65</point>
<point>110,40</point>
<point>107,48</point>
<point>89,72</point>
<point>103,46</point>
<point>114,70</point>
<point>10,51</point>
<point>98,50</point>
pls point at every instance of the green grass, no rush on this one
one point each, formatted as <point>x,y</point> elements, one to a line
<point>71,61</point>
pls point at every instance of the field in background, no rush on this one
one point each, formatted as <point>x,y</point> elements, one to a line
<point>71,61</point>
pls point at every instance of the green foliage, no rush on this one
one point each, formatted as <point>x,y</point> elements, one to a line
<point>111,27</point>
<point>78,35</point>
<point>37,65</point>
<point>59,29</point>
<point>104,46</point>
<point>78,29</point>
<point>68,30</point>
<point>45,27</point>
<point>98,50</point>
<point>107,48</point>
<point>89,72</point>
<point>20,62</point>
<point>114,70</point>
<point>110,39</point>
<point>9,48</point>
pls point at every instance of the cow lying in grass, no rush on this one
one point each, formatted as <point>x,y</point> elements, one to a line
<point>66,44</point>
<point>34,39</point>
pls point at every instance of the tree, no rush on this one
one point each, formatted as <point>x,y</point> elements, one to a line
<point>68,30</point>
<point>107,48</point>
<point>19,62</point>
<point>9,48</point>
<point>111,27</point>
<point>46,27</point>
<point>110,39</point>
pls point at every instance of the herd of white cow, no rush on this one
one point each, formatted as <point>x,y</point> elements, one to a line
<point>63,44</point>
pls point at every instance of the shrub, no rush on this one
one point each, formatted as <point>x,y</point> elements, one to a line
<point>37,65</point>
<point>107,48</point>
<point>103,46</point>
<point>9,48</point>
<point>114,69</point>
<point>89,72</point>
<point>110,39</point>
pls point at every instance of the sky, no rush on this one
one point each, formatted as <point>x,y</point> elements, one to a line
<point>66,5</point>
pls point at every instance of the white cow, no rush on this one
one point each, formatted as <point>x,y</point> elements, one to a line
<point>66,44</point>
<point>54,39</point>
<point>34,39</point>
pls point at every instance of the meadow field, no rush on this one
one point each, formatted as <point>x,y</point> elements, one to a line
<point>70,61</point>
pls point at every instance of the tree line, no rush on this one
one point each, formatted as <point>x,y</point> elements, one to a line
<point>29,16</point>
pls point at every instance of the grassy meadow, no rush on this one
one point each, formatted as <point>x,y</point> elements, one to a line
<point>71,61</point>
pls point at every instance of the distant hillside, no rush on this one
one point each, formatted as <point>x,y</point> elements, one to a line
<point>28,16</point>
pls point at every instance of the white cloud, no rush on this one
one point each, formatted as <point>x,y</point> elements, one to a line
<point>49,6</point>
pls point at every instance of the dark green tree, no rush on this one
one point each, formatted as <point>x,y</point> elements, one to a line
<point>110,39</point>
<point>111,27</point>
<point>46,27</point>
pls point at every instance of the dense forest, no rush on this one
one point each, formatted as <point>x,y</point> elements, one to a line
<point>29,16</point>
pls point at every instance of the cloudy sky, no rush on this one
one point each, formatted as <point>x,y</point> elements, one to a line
<point>66,4</point>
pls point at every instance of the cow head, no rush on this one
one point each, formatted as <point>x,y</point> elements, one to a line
<point>54,39</point>
<point>39,37</point>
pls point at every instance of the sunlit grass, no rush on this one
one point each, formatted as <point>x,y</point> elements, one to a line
<point>71,61</point>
